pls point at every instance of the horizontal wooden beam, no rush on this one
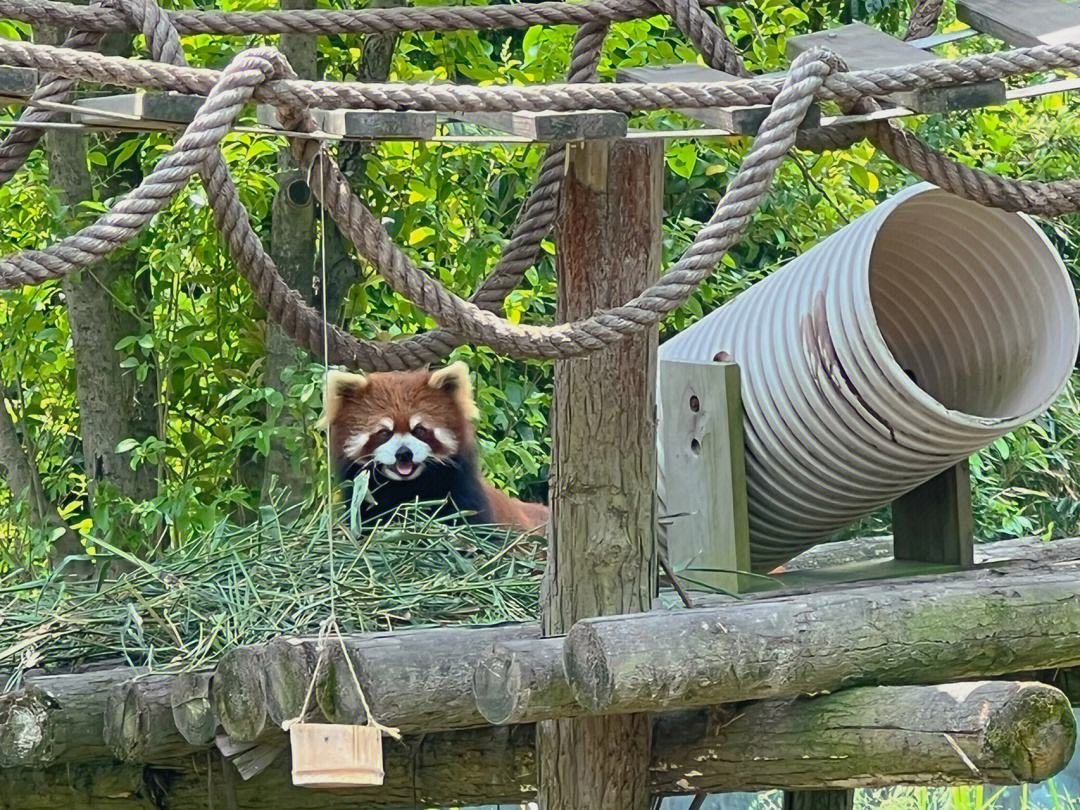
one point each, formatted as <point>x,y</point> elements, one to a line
<point>365,125</point>
<point>980,623</point>
<point>865,48</point>
<point>1023,23</point>
<point>142,110</point>
<point>999,732</point>
<point>16,83</point>
<point>738,120</point>
<point>551,127</point>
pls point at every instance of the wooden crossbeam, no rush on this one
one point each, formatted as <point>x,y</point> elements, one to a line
<point>17,83</point>
<point>864,48</point>
<point>1022,23</point>
<point>739,120</point>
<point>364,125</point>
<point>142,110</point>
<point>551,127</point>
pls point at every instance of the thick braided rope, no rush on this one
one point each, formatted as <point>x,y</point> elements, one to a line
<point>623,97</point>
<point>331,21</point>
<point>52,88</point>
<point>559,341</point>
<point>115,228</point>
<point>725,227</point>
<point>285,305</point>
<point>708,37</point>
<point>924,18</point>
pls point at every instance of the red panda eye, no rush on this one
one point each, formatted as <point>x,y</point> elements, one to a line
<point>383,434</point>
<point>421,432</point>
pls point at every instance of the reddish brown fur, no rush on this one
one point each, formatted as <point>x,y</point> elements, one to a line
<point>356,405</point>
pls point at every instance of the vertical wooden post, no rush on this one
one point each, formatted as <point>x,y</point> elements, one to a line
<point>602,555</point>
<point>933,523</point>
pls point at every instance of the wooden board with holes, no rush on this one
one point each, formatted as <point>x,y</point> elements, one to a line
<point>703,474</point>
<point>738,120</point>
<point>864,48</point>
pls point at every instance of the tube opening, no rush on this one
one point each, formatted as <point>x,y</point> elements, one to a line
<point>974,305</point>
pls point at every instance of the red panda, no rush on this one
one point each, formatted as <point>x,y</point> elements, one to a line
<point>413,432</point>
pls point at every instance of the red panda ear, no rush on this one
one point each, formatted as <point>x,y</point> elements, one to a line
<point>454,379</point>
<point>340,386</point>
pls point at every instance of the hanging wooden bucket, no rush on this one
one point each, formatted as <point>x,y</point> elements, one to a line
<point>330,756</point>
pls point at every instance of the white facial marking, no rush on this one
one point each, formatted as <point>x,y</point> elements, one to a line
<point>386,453</point>
<point>447,440</point>
<point>386,423</point>
<point>354,447</point>
<point>414,421</point>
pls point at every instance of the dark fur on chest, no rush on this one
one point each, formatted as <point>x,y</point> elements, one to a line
<point>455,483</point>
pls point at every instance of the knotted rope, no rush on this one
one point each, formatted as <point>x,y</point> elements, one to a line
<point>262,74</point>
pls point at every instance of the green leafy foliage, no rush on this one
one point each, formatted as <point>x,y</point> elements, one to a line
<point>450,206</point>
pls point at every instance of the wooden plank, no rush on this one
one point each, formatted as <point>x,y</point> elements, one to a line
<point>1023,24</point>
<point>739,120</point>
<point>704,473</point>
<point>364,125</point>
<point>552,127</point>
<point>147,110</point>
<point>602,536</point>
<point>864,48</point>
<point>933,523</point>
<point>17,83</point>
<point>819,799</point>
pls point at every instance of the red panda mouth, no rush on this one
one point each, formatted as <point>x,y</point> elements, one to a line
<point>404,468</point>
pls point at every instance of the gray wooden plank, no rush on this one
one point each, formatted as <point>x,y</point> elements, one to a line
<point>552,127</point>
<point>864,48</point>
<point>364,125</point>
<point>146,109</point>
<point>933,523</point>
<point>17,83</point>
<point>703,473</point>
<point>1023,23</point>
<point>739,120</point>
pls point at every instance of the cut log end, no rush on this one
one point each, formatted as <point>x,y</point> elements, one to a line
<point>239,695</point>
<point>1034,733</point>
<point>590,678</point>
<point>192,708</point>
<point>497,686</point>
<point>26,738</point>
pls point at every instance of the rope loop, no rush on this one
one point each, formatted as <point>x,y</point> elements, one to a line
<point>263,74</point>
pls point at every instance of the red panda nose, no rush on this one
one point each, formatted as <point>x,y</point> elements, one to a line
<point>403,454</point>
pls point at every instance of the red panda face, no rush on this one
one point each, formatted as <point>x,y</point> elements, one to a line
<point>399,423</point>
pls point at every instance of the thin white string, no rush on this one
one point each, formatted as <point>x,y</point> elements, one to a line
<point>331,624</point>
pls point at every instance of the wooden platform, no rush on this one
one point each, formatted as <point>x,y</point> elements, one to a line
<point>551,127</point>
<point>740,120</point>
<point>865,48</point>
<point>1023,23</point>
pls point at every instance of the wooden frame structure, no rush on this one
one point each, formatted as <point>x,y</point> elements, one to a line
<point>603,558</point>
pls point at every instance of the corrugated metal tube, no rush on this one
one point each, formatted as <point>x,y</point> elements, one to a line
<point>898,346</point>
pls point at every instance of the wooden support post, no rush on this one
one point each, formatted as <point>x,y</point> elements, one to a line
<point>865,48</point>
<point>933,522</point>
<point>602,556</point>
<point>703,474</point>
